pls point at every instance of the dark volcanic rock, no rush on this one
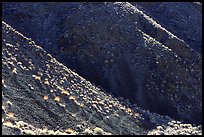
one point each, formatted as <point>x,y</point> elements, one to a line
<point>120,48</point>
<point>183,19</point>
<point>42,96</point>
<point>10,131</point>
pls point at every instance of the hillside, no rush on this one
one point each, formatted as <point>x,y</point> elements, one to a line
<point>42,96</point>
<point>39,90</point>
<point>120,48</point>
<point>126,68</point>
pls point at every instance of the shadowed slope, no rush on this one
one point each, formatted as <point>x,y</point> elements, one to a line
<point>120,48</point>
<point>183,19</point>
<point>42,96</point>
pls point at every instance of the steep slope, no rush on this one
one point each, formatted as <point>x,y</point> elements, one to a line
<point>40,91</point>
<point>42,96</point>
<point>120,48</point>
<point>183,19</point>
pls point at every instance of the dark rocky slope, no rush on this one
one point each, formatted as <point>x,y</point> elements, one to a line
<point>40,96</point>
<point>39,93</point>
<point>183,19</point>
<point>120,48</point>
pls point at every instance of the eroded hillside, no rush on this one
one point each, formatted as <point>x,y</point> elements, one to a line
<point>129,50</point>
<point>42,92</point>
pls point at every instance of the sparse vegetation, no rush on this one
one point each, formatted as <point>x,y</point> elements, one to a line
<point>72,98</point>
<point>46,82</point>
<point>45,97</point>
<point>36,77</point>
<point>10,114</point>
<point>14,71</point>
<point>57,98</point>
<point>119,47</point>
<point>88,132</point>
<point>69,131</point>
<point>98,130</point>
